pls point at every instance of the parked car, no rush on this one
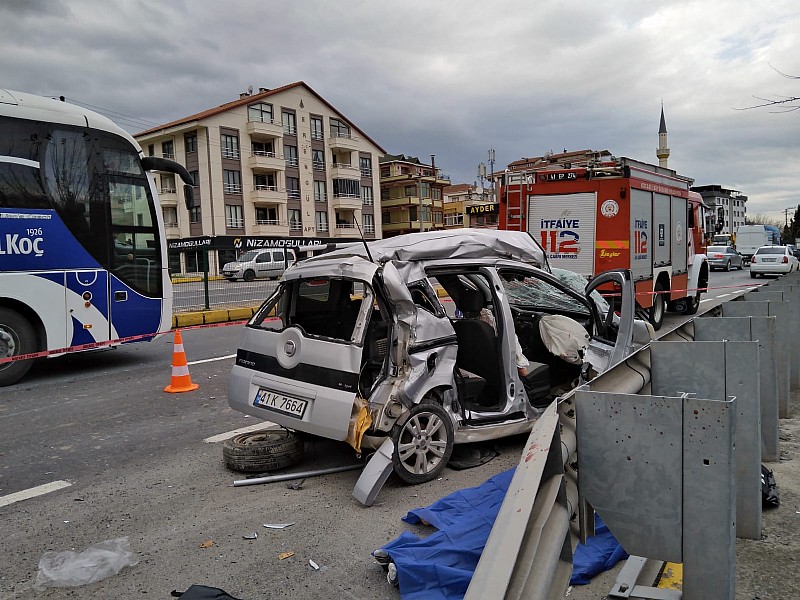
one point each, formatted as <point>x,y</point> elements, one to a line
<point>389,340</point>
<point>794,250</point>
<point>723,257</point>
<point>269,263</point>
<point>773,260</point>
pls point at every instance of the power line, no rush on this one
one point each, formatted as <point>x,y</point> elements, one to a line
<point>138,121</point>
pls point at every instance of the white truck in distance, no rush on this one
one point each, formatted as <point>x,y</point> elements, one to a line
<point>750,238</point>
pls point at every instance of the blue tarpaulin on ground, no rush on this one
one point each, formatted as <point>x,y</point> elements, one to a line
<point>440,566</point>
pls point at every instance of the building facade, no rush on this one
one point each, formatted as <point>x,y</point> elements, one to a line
<point>411,195</point>
<point>467,205</point>
<point>278,167</point>
<point>726,209</point>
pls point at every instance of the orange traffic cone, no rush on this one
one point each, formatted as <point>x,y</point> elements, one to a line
<point>181,381</point>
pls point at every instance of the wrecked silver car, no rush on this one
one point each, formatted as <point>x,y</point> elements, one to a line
<point>416,339</point>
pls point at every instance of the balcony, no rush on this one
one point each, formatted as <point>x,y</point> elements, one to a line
<point>264,129</point>
<point>346,202</point>
<point>343,141</point>
<point>344,171</point>
<point>269,194</point>
<point>265,161</point>
<point>269,227</point>
<point>232,188</point>
<point>346,229</point>
<point>168,197</point>
<point>172,231</point>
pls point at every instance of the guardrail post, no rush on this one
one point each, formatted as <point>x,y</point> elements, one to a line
<point>678,366</point>
<point>762,330</point>
<point>783,344</point>
<point>791,293</point>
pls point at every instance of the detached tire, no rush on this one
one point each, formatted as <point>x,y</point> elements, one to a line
<point>259,451</point>
<point>423,444</point>
<point>17,336</point>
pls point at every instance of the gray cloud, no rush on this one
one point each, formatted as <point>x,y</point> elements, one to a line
<point>447,78</point>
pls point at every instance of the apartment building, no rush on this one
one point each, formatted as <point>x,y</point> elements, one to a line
<point>411,195</point>
<point>727,209</point>
<point>274,168</point>
<point>468,205</point>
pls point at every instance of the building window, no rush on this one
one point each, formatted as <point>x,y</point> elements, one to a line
<point>437,193</point>
<point>168,149</point>
<point>384,194</point>
<point>369,223</point>
<point>318,160</point>
<point>194,213</point>
<point>260,112</point>
<point>170,217</point>
<point>366,166</point>
<point>317,128</point>
<point>190,142</point>
<point>195,175</point>
<point>263,149</point>
<point>454,220</point>
<point>339,128</point>
<point>386,216</point>
<point>366,195</point>
<point>168,183</point>
<point>386,172</point>
<point>264,182</point>
<point>322,220</point>
<point>424,189</point>
<point>267,216</point>
<point>320,191</point>
<point>230,146</point>
<point>290,154</point>
<point>346,188</point>
<point>289,123</point>
<point>293,187</point>
<point>232,182</point>
<point>411,191</point>
<point>151,149</point>
<point>233,216</point>
<point>295,222</point>
<point>412,213</point>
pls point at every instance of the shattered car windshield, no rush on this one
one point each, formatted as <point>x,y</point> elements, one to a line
<point>536,292</point>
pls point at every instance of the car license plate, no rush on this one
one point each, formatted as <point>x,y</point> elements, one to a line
<point>769,260</point>
<point>280,403</point>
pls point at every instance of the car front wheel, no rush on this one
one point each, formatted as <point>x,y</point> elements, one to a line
<point>423,444</point>
<point>728,266</point>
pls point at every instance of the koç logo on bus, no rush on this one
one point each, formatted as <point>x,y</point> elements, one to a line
<point>14,244</point>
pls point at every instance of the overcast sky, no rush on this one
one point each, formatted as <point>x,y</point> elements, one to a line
<point>449,78</point>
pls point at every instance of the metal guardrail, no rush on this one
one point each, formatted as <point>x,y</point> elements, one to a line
<point>671,441</point>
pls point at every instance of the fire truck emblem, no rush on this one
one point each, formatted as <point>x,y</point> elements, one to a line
<point>609,208</point>
<point>678,233</point>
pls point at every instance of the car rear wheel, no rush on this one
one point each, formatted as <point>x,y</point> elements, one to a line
<point>423,444</point>
<point>249,275</point>
<point>17,336</point>
<point>753,275</point>
<point>728,266</point>
<point>260,451</point>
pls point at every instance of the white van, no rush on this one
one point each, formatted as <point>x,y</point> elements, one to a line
<point>263,263</point>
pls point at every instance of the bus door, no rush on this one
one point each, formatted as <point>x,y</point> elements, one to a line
<point>87,307</point>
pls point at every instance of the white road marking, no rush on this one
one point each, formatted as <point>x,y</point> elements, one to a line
<point>723,295</point>
<point>205,360</point>
<point>224,436</point>
<point>39,490</point>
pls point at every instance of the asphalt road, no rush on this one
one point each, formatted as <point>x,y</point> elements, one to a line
<point>137,464</point>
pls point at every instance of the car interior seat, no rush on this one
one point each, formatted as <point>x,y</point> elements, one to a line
<point>477,347</point>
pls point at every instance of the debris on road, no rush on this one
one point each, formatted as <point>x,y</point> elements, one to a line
<point>250,536</point>
<point>97,562</point>
<point>207,544</point>
<point>277,525</point>
<point>284,555</point>
<point>313,565</point>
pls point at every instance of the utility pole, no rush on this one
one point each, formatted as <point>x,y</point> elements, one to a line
<point>491,166</point>
<point>786,217</point>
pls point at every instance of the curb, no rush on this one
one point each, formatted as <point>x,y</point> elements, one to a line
<point>206,317</point>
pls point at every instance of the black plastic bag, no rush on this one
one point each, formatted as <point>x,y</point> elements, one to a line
<point>203,592</point>
<point>769,489</point>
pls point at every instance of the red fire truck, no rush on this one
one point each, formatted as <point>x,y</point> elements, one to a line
<point>592,212</point>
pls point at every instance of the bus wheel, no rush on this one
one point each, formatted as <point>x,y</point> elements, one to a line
<point>17,336</point>
<point>249,275</point>
<point>659,307</point>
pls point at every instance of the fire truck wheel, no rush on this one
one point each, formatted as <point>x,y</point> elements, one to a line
<point>659,307</point>
<point>692,304</point>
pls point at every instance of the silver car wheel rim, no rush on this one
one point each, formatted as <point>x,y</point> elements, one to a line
<point>422,443</point>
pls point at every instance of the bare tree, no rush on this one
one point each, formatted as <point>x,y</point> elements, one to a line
<point>759,219</point>
<point>783,103</point>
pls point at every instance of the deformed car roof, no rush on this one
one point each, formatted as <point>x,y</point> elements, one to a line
<point>450,243</point>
